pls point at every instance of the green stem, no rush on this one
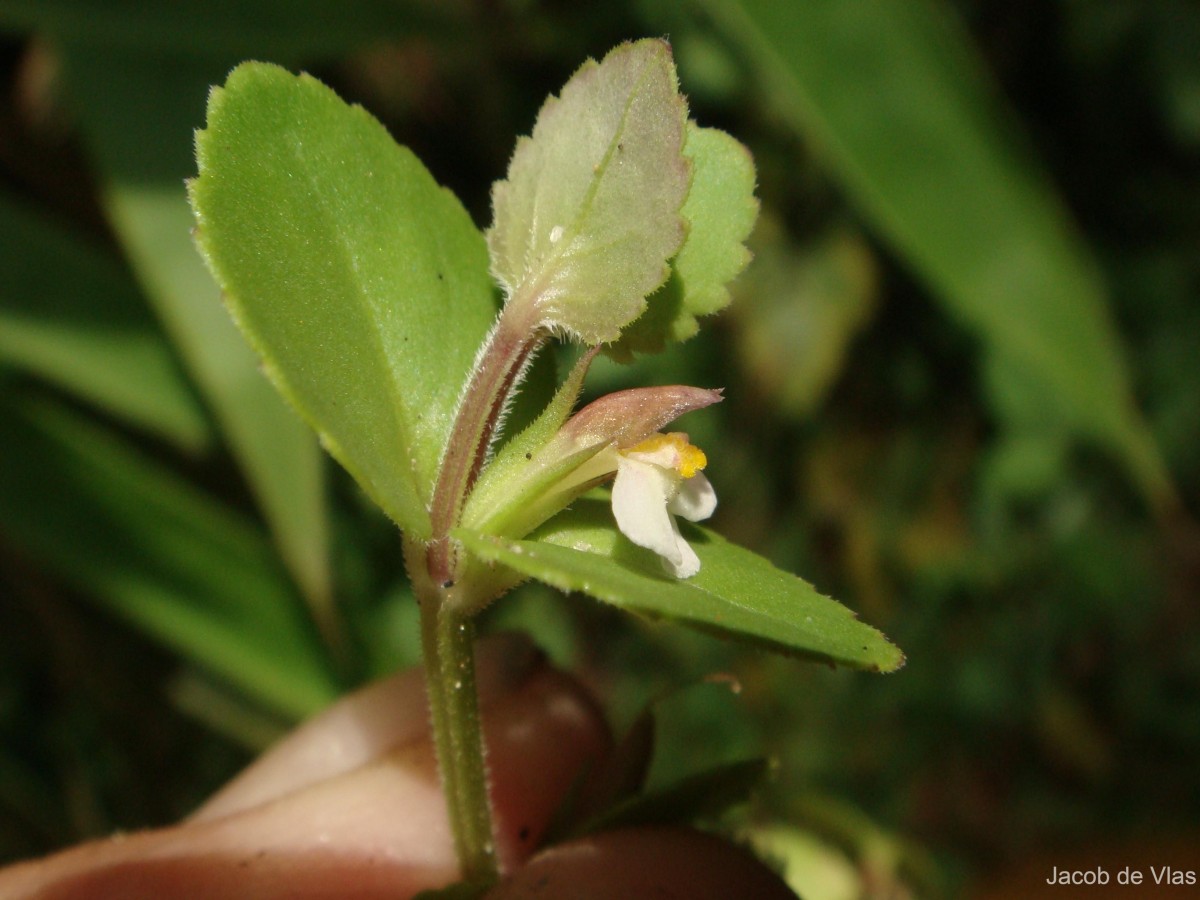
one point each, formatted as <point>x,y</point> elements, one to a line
<point>447,633</point>
<point>447,643</point>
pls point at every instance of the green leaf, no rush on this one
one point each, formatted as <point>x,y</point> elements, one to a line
<point>71,315</point>
<point>192,574</point>
<point>720,212</point>
<point>360,281</point>
<point>138,112</point>
<point>590,212</point>
<point>614,781</point>
<point>703,795</point>
<point>736,594</point>
<point>900,102</point>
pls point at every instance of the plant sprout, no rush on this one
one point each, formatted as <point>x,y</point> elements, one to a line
<point>371,297</point>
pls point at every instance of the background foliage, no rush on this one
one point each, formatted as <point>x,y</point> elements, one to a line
<point>962,393</point>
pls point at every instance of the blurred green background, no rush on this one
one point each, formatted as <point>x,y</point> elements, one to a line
<point>963,396</point>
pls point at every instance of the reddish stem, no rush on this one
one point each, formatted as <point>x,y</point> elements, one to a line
<point>509,348</point>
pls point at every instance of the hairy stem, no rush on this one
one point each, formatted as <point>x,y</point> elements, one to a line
<point>447,644</point>
<point>447,634</point>
<point>497,371</point>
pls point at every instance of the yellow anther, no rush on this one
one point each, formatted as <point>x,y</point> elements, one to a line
<point>691,460</point>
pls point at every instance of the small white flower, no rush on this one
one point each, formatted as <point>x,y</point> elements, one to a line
<point>657,480</point>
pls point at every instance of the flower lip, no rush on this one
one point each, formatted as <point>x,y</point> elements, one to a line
<point>657,480</point>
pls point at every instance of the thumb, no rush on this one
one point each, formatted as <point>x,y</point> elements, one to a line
<point>350,804</point>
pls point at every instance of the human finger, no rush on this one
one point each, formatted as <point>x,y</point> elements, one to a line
<point>365,820</point>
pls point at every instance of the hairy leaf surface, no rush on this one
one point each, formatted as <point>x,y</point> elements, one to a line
<point>590,212</point>
<point>361,282</point>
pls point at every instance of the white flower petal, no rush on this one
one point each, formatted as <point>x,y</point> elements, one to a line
<point>650,489</point>
<point>689,562</point>
<point>695,500</point>
<point>639,503</point>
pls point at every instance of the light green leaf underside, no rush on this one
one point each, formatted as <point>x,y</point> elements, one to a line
<point>190,573</point>
<point>74,317</point>
<point>590,211</point>
<point>361,282</point>
<point>737,594</point>
<point>720,212</point>
<point>138,116</point>
<point>900,103</point>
